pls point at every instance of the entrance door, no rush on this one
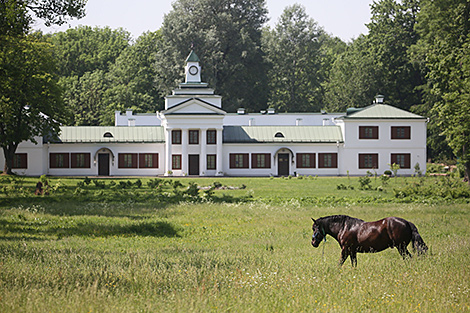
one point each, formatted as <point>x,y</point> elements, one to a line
<point>103,164</point>
<point>194,164</point>
<point>283,164</point>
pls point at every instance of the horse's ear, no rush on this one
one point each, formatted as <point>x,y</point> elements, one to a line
<point>314,222</point>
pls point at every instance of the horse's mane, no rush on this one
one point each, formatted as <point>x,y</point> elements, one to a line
<point>339,219</point>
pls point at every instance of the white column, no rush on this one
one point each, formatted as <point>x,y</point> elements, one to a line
<point>167,151</point>
<point>203,156</point>
<point>220,164</point>
<point>184,151</point>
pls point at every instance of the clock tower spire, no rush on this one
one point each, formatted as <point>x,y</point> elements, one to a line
<point>192,69</point>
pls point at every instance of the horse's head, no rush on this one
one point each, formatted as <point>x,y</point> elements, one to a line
<point>318,233</point>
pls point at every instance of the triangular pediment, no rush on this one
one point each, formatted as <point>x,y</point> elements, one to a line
<point>194,106</point>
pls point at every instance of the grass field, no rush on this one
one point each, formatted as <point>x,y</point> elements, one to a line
<point>92,254</point>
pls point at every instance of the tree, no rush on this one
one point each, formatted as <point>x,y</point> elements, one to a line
<point>352,80</point>
<point>30,99</point>
<point>293,52</point>
<point>391,34</point>
<point>86,56</point>
<point>132,78</point>
<point>226,36</point>
<point>444,27</point>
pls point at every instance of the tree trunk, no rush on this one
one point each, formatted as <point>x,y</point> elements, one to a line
<point>9,154</point>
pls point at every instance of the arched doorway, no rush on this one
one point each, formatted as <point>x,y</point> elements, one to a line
<point>105,158</point>
<point>284,156</point>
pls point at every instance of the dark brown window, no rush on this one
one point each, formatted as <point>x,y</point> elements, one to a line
<point>176,137</point>
<point>176,161</point>
<point>20,160</point>
<point>211,137</point>
<point>211,161</point>
<point>194,137</point>
<point>127,160</point>
<point>401,132</point>
<point>238,160</point>
<point>80,160</point>
<point>59,160</point>
<point>368,132</point>
<point>327,160</point>
<point>369,160</point>
<point>305,160</point>
<point>260,160</point>
<point>402,159</point>
<point>148,160</point>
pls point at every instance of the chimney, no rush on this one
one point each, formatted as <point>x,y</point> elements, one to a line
<point>298,122</point>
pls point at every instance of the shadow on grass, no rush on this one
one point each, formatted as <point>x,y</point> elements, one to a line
<point>89,229</point>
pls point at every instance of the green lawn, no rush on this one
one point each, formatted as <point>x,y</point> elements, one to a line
<point>92,254</point>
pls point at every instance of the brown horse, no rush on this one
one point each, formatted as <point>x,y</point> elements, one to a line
<point>355,235</point>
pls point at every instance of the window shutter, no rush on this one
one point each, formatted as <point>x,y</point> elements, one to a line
<point>52,160</point>
<point>245,160</point>
<point>408,132</point>
<point>121,160</point>
<point>375,132</point>
<point>155,160</point>
<point>142,160</point>
<point>134,160</point>
<point>334,160</point>
<point>375,161</point>
<point>74,160</point>
<point>268,160</point>
<point>87,160</point>
<point>232,160</point>
<point>407,161</point>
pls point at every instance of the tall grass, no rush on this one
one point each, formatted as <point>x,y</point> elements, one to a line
<point>216,257</point>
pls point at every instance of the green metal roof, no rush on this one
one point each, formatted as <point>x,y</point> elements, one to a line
<point>192,57</point>
<point>299,134</point>
<point>111,134</point>
<point>380,111</point>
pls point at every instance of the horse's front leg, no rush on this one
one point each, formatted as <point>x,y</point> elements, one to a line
<point>353,258</point>
<point>344,255</point>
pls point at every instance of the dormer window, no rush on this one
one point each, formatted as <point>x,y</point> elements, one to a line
<point>108,135</point>
<point>279,135</point>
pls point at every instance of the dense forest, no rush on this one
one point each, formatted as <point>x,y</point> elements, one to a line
<point>416,53</point>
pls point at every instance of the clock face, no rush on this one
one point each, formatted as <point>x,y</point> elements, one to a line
<point>193,70</point>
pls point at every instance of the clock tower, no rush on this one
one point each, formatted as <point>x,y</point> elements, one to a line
<point>192,69</point>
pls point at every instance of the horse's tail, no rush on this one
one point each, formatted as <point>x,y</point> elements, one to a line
<point>418,242</point>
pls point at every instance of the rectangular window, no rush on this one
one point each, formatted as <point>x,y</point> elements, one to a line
<point>238,160</point>
<point>260,160</point>
<point>211,161</point>
<point>148,160</point>
<point>369,160</point>
<point>176,161</point>
<point>20,160</point>
<point>127,160</point>
<point>327,160</point>
<point>211,137</point>
<point>193,137</point>
<point>80,160</point>
<point>176,137</point>
<point>402,159</point>
<point>401,132</point>
<point>305,160</point>
<point>368,132</point>
<point>59,160</point>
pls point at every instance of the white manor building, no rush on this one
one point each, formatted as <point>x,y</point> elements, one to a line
<point>195,136</point>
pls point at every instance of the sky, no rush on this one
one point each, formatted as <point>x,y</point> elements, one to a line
<point>343,18</point>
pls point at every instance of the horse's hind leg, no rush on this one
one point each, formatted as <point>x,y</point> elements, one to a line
<point>402,249</point>
<point>344,255</point>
